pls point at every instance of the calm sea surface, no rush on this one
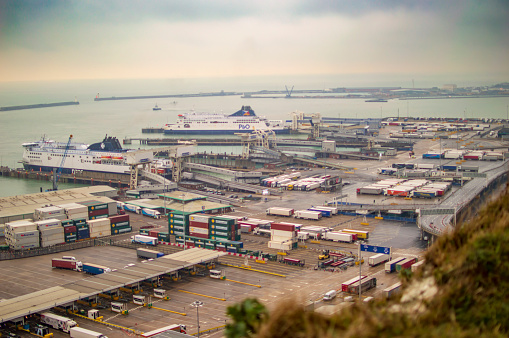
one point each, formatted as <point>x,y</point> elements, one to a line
<point>90,121</point>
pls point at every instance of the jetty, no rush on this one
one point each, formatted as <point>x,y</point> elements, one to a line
<point>40,105</point>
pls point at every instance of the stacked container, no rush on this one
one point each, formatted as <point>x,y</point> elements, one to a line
<point>120,224</point>
<point>177,224</point>
<point>21,235</point>
<point>283,236</point>
<point>99,227</point>
<point>75,210</point>
<point>224,228</point>
<point>51,212</point>
<point>51,232</point>
<point>163,237</point>
<point>82,230</point>
<point>2,230</point>
<point>97,210</point>
<point>199,226</point>
<point>70,232</point>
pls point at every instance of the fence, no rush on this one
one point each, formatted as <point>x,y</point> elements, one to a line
<point>15,254</point>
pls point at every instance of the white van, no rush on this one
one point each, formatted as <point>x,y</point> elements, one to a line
<point>330,295</point>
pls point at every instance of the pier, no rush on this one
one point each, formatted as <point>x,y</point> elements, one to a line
<point>40,105</point>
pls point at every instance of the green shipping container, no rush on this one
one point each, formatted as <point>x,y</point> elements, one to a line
<point>221,221</point>
<point>67,222</point>
<point>98,216</point>
<point>210,246</point>
<point>144,232</point>
<point>80,223</point>
<point>117,231</point>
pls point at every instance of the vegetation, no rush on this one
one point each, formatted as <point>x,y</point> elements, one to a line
<point>461,291</point>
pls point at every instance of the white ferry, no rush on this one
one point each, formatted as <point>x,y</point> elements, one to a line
<point>46,155</point>
<point>243,121</point>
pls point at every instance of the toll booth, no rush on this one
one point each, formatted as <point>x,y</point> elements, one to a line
<point>174,276</point>
<point>217,274</point>
<point>190,270</point>
<point>119,308</point>
<point>161,293</point>
<point>139,299</point>
<point>94,314</point>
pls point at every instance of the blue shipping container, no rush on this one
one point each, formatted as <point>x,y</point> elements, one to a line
<point>83,233</point>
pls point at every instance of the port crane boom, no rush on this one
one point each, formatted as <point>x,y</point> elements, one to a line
<point>58,172</point>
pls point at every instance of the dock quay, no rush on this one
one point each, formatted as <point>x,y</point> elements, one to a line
<point>79,177</point>
<point>40,105</point>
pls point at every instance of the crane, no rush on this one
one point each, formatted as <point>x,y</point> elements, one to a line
<point>58,172</point>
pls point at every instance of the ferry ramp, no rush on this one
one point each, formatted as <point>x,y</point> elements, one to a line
<point>156,177</point>
<point>227,172</point>
<point>234,185</point>
<point>322,163</point>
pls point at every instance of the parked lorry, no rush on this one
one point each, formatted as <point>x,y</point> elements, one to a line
<point>175,327</point>
<point>378,259</point>
<point>61,263</point>
<point>58,322</point>
<point>132,208</point>
<point>142,239</point>
<point>147,254</point>
<point>391,265</point>
<point>392,290</point>
<point>345,285</point>
<point>307,214</point>
<point>95,269</point>
<point>325,213</point>
<point>338,237</point>
<point>151,213</point>
<point>365,285</point>
<point>79,332</point>
<point>276,211</point>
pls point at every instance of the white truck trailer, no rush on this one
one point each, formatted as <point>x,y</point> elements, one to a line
<point>338,237</point>
<point>276,211</point>
<point>79,332</point>
<point>58,322</point>
<point>378,259</point>
<point>142,239</point>
<point>308,214</point>
<point>151,213</point>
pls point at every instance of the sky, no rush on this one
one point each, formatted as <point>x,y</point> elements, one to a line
<point>124,39</point>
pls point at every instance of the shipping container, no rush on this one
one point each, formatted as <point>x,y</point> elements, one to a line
<point>147,254</point>
<point>392,290</point>
<point>60,263</point>
<point>95,269</point>
<point>378,259</point>
<point>338,237</point>
<point>141,239</point>
<point>361,234</point>
<point>391,265</point>
<point>405,264</point>
<point>307,214</point>
<point>276,211</point>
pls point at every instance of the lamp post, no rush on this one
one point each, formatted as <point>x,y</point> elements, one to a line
<point>197,304</point>
<point>184,215</point>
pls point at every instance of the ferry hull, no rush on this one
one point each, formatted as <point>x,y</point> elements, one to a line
<point>68,171</point>
<point>217,132</point>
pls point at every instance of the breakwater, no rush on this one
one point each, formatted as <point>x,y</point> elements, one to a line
<point>40,105</point>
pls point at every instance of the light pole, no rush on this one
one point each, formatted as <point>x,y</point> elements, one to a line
<point>197,304</point>
<point>184,218</point>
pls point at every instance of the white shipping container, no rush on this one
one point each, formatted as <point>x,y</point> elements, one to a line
<point>51,231</point>
<point>283,239</point>
<point>20,226</point>
<point>199,218</point>
<point>53,237</point>
<point>98,222</point>
<point>78,216</point>
<point>279,245</point>
<point>197,230</point>
<point>26,234</point>
<point>23,246</point>
<point>74,208</point>
<point>24,240</point>
<point>283,233</point>
<point>378,259</point>
<point>45,244</point>
<point>48,223</point>
<point>100,233</point>
<point>307,214</point>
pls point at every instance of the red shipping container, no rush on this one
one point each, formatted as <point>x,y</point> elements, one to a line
<point>220,249</point>
<point>153,233</point>
<point>198,224</point>
<point>98,212</point>
<point>118,218</point>
<point>283,227</point>
<point>70,228</point>
<point>196,234</point>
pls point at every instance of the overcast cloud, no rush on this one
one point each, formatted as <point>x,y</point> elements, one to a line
<point>51,40</point>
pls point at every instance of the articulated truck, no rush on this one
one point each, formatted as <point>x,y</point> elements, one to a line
<point>58,322</point>
<point>61,263</point>
<point>78,332</point>
<point>276,211</point>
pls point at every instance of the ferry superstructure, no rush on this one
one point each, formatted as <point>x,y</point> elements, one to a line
<point>46,155</point>
<point>243,121</point>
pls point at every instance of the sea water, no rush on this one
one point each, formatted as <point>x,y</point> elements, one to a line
<point>91,120</point>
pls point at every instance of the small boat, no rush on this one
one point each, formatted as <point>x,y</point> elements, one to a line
<point>156,107</point>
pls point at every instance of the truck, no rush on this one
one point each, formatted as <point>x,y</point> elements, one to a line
<point>325,213</point>
<point>142,239</point>
<point>79,332</point>
<point>132,208</point>
<point>378,259</point>
<point>61,263</point>
<point>58,322</point>
<point>338,237</point>
<point>95,269</point>
<point>365,285</point>
<point>276,211</point>
<point>390,266</point>
<point>307,214</point>
<point>147,254</point>
<point>151,213</point>
<point>345,285</point>
<point>391,290</point>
